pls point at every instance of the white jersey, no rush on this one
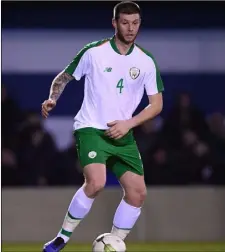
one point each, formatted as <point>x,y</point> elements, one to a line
<point>114,83</point>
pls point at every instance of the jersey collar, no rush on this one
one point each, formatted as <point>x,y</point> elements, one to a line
<point>114,47</point>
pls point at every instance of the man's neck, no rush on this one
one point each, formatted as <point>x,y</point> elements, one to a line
<point>121,46</point>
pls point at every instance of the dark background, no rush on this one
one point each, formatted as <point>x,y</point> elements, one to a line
<point>97,14</point>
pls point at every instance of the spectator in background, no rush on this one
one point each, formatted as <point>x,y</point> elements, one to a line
<point>184,116</point>
<point>36,152</point>
<point>9,168</point>
<point>197,155</point>
<point>154,152</point>
<point>216,123</point>
<point>29,153</point>
<point>183,145</point>
<point>12,117</point>
<point>68,167</point>
<point>158,169</point>
<point>11,114</point>
<point>146,134</point>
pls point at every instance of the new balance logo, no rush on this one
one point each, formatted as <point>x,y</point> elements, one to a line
<point>108,69</point>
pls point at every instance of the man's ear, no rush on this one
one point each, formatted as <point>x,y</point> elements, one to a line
<point>114,23</point>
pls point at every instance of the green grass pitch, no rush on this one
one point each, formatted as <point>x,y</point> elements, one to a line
<point>138,247</point>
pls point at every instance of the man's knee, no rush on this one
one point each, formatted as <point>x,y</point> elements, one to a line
<point>136,196</point>
<point>93,187</point>
<point>142,193</point>
<point>95,179</point>
<point>134,188</point>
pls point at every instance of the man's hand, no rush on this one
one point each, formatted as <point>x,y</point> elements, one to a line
<point>57,87</point>
<point>47,106</point>
<point>118,129</point>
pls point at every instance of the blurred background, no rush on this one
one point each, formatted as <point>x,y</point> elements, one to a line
<point>184,146</point>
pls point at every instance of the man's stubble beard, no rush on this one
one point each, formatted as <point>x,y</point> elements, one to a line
<point>122,39</point>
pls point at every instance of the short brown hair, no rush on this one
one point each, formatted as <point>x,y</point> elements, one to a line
<point>126,7</point>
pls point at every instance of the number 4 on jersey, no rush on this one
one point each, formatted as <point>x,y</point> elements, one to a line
<point>120,85</point>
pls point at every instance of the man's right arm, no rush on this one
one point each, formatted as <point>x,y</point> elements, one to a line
<point>75,70</point>
<point>58,85</point>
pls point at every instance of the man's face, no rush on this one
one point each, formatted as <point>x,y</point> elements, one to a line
<point>127,27</point>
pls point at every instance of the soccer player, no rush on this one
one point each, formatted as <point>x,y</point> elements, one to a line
<point>117,72</point>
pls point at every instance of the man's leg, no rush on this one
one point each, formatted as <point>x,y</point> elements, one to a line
<point>129,208</point>
<point>95,178</point>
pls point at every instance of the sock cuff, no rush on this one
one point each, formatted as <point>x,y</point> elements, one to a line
<point>84,197</point>
<point>123,202</point>
<point>80,205</point>
<point>126,216</point>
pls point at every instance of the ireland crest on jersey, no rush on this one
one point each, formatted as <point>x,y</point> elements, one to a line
<point>134,72</point>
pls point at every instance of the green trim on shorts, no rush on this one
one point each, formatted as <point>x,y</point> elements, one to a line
<point>121,155</point>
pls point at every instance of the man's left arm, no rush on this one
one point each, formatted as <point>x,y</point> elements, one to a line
<point>152,110</point>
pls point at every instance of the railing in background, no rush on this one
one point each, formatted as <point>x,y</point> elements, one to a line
<point>169,214</point>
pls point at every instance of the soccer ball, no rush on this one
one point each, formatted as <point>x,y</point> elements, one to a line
<point>108,243</point>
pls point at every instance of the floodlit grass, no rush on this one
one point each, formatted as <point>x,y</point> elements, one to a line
<point>139,247</point>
